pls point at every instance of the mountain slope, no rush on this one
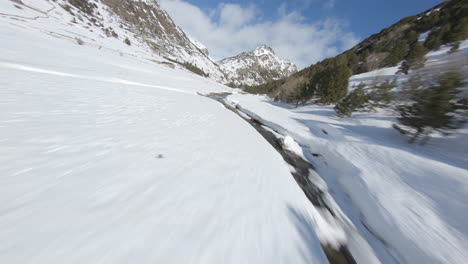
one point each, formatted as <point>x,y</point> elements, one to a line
<point>443,24</point>
<point>256,67</point>
<point>403,198</point>
<point>154,26</point>
<point>109,157</point>
<point>133,27</point>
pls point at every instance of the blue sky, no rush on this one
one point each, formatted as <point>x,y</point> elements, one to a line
<point>304,31</point>
<point>365,17</point>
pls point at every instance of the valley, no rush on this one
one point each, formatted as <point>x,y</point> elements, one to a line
<point>123,141</point>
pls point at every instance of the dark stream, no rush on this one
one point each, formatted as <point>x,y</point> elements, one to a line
<point>301,175</point>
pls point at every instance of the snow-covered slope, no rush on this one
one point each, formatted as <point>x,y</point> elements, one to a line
<point>109,156</point>
<point>107,24</point>
<point>156,29</point>
<point>408,201</point>
<point>256,67</point>
<point>200,46</point>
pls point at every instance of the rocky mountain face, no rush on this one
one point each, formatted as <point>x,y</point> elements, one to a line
<point>141,28</point>
<point>150,25</point>
<point>256,67</point>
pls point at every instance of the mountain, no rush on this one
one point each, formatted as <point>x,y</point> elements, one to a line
<point>141,23</point>
<point>256,67</point>
<point>407,40</point>
<point>108,156</point>
<point>112,152</point>
<point>142,28</point>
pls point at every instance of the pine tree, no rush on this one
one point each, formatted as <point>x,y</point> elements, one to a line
<point>434,108</point>
<point>331,84</point>
<point>416,55</point>
<point>381,94</point>
<point>353,61</point>
<point>415,58</point>
<point>433,41</point>
<point>446,34</point>
<point>412,37</point>
<point>398,53</point>
<point>410,91</point>
<point>356,100</point>
<point>459,31</point>
<point>300,96</point>
<point>362,67</point>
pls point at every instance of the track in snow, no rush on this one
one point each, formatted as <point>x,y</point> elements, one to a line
<point>86,77</point>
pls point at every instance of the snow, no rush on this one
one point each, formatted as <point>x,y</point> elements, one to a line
<point>436,61</point>
<point>109,157</point>
<point>263,50</point>
<point>291,145</point>
<point>407,197</point>
<point>244,68</point>
<point>51,18</point>
<point>405,201</point>
<point>423,36</point>
<point>198,44</point>
<point>379,75</point>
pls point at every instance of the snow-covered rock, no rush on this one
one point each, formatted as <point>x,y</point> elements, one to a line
<point>256,67</point>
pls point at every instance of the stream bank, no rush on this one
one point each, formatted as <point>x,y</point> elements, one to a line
<point>301,173</point>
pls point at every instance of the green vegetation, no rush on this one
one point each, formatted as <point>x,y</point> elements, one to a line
<point>331,84</point>
<point>355,101</point>
<point>194,69</point>
<point>451,31</point>
<point>381,94</point>
<point>84,6</point>
<point>398,53</point>
<point>360,99</point>
<point>232,85</point>
<point>300,97</point>
<point>446,22</point>
<point>189,66</point>
<point>67,8</point>
<point>110,32</point>
<point>434,108</point>
<point>263,88</point>
<point>127,41</point>
<point>415,58</point>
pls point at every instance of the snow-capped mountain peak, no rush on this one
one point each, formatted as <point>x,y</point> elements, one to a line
<point>256,67</point>
<point>264,50</point>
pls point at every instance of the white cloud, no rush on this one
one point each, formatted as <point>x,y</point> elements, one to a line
<point>231,28</point>
<point>234,16</point>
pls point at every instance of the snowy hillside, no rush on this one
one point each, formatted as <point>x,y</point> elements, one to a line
<point>200,46</point>
<point>112,150</point>
<point>256,67</point>
<point>136,27</point>
<point>110,156</point>
<point>408,201</point>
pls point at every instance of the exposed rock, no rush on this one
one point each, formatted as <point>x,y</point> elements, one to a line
<point>153,27</point>
<point>256,67</point>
